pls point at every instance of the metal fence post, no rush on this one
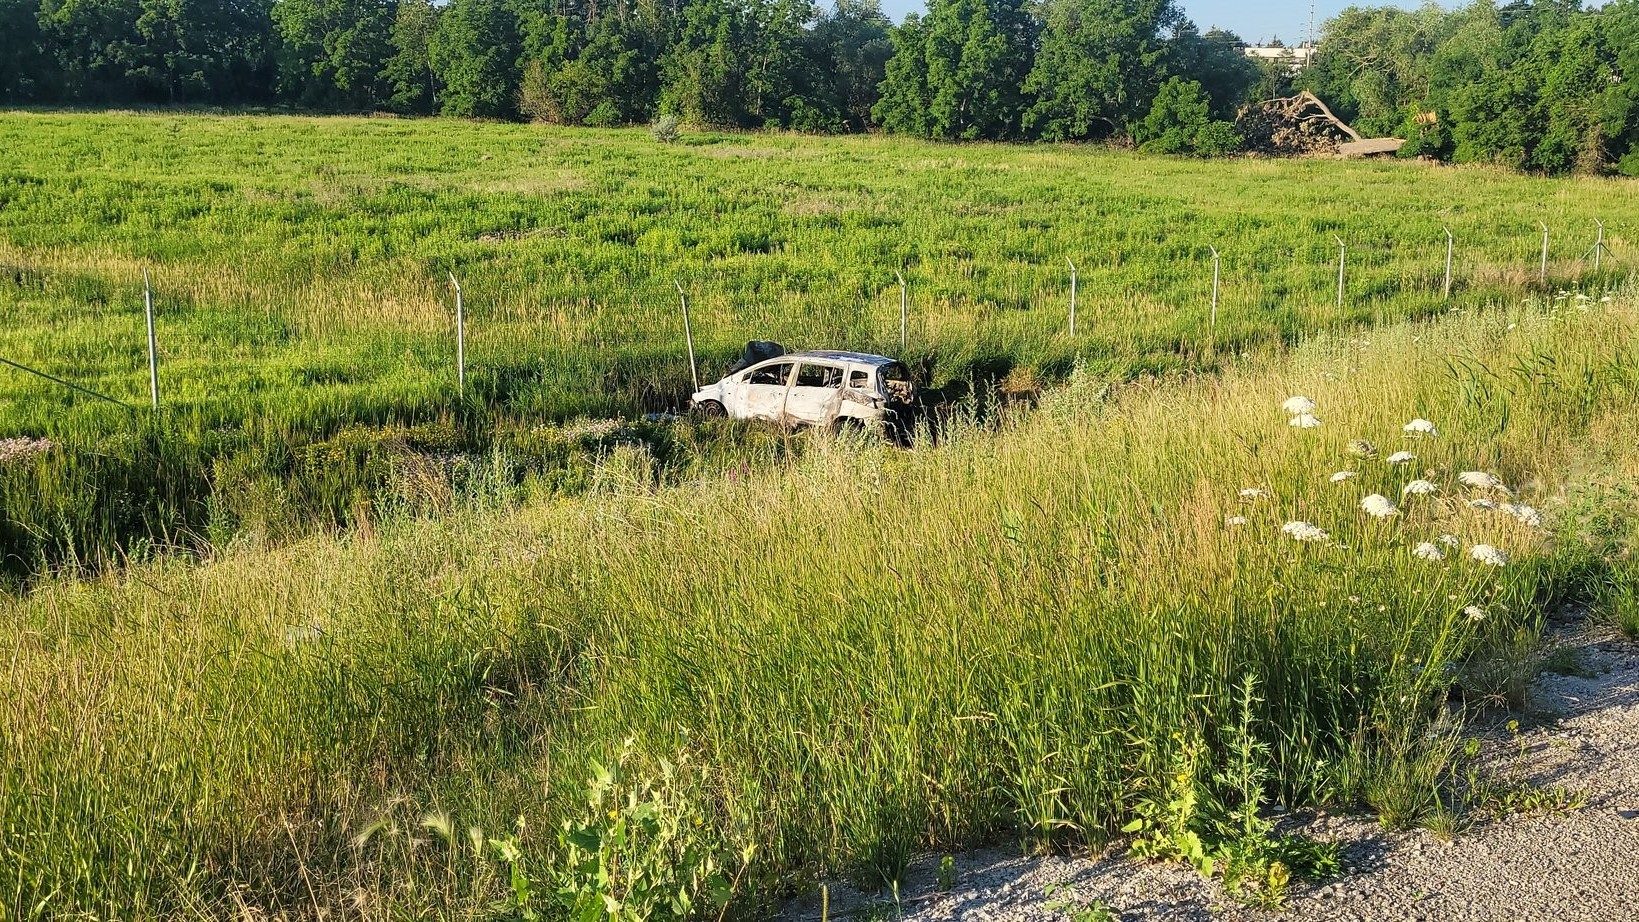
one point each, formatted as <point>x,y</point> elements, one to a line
<point>460,339</point>
<point>1598,244</point>
<point>904,310</point>
<point>1213,321</point>
<point>1449,242</point>
<point>153,342</point>
<point>688,334</point>
<point>1542,273</point>
<point>1072,295</point>
<point>1342,257</point>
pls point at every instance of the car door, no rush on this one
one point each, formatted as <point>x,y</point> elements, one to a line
<point>762,395</point>
<point>815,394</point>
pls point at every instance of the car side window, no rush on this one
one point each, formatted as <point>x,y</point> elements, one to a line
<point>859,380</point>
<point>819,376</point>
<point>773,374</point>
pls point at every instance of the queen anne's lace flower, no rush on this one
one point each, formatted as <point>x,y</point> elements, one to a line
<point>1481,504</point>
<point>1235,520</point>
<point>1420,427</point>
<point>1298,406</point>
<point>1361,448</point>
<point>1428,551</point>
<point>1525,515</point>
<point>1480,480</point>
<point>1379,506</point>
<point>1401,457</point>
<point>1450,540</point>
<point>1304,422</point>
<point>1488,555</point>
<point>1419,488</point>
<point>1341,476</point>
<point>1474,613</point>
<point>1251,493</point>
<point>21,449</point>
<point>1303,531</point>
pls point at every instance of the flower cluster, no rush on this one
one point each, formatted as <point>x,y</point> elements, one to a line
<point>22,449</point>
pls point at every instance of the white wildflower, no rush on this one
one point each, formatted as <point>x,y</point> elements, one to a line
<point>1481,504</point>
<point>1605,300</point>
<point>1524,514</point>
<point>1419,488</point>
<point>21,449</point>
<point>1488,555</point>
<point>1304,422</point>
<point>1235,520</point>
<point>1341,476</point>
<point>1379,506</point>
<point>1480,480</point>
<point>1362,448</point>
<point>1251,493</point>
<point>1428,551</point>
<point>1474,613</point>
<point>1298,406</point>
<point>1420,426</point>
<point>1303,531</point>
<point>1450,540</point>
<point>1401,457</point>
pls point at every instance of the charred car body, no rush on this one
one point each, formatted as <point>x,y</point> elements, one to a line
<point>832,390</point>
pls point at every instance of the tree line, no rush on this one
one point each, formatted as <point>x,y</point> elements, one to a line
<point>1542,85</point>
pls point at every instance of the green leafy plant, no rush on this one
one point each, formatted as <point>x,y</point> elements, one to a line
<point>1061,898</point>
<point>645,851</point>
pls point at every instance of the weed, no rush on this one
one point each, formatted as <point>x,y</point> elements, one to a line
<point>1062,898</point>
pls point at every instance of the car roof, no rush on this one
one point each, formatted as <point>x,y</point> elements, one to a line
<point>856,358</point>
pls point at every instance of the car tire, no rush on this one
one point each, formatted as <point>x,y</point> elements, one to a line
<point>710,409</point>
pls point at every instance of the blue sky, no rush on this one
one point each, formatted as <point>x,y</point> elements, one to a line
<point>1288,19</point>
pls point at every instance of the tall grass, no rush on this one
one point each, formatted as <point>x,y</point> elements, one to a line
<point>1011,634</point>
<point>300,272</point>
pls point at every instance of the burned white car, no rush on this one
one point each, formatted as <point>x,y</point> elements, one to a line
<point>832,390</point>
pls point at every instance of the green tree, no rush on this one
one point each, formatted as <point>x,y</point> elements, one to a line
<point>902,105</point>
<point>407,75</point>
<point>332,51</point>
<point>1177,115</point>
<point>852,47</point>
<point>1099,66</point>
<point>1214,60</point>
<point>26,72</point>
<point>474,53</point>
<point>703,68</point>
<point>972,59</point>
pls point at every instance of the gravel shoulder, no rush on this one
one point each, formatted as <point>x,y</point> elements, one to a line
<point>1580,732</point>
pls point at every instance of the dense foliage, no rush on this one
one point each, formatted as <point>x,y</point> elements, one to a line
<point>1539,85</point>
<point>1543,86</point>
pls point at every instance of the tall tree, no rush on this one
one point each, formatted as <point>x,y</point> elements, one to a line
<point>407,75</point>
<point>26,72</point>
<point>474,54</point>
<point>332,50</point>
<point>974,55</point>
<point>851,46</point>
<point>1100,66</point>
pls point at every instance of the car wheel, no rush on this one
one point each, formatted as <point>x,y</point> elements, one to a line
<point>710,409</point>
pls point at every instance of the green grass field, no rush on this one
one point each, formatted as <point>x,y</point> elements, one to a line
<point>503,657</point>
<point>305,318</point>
<point>1033,633</point>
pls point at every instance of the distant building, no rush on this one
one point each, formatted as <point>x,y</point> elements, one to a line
<point>1296,58</point>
